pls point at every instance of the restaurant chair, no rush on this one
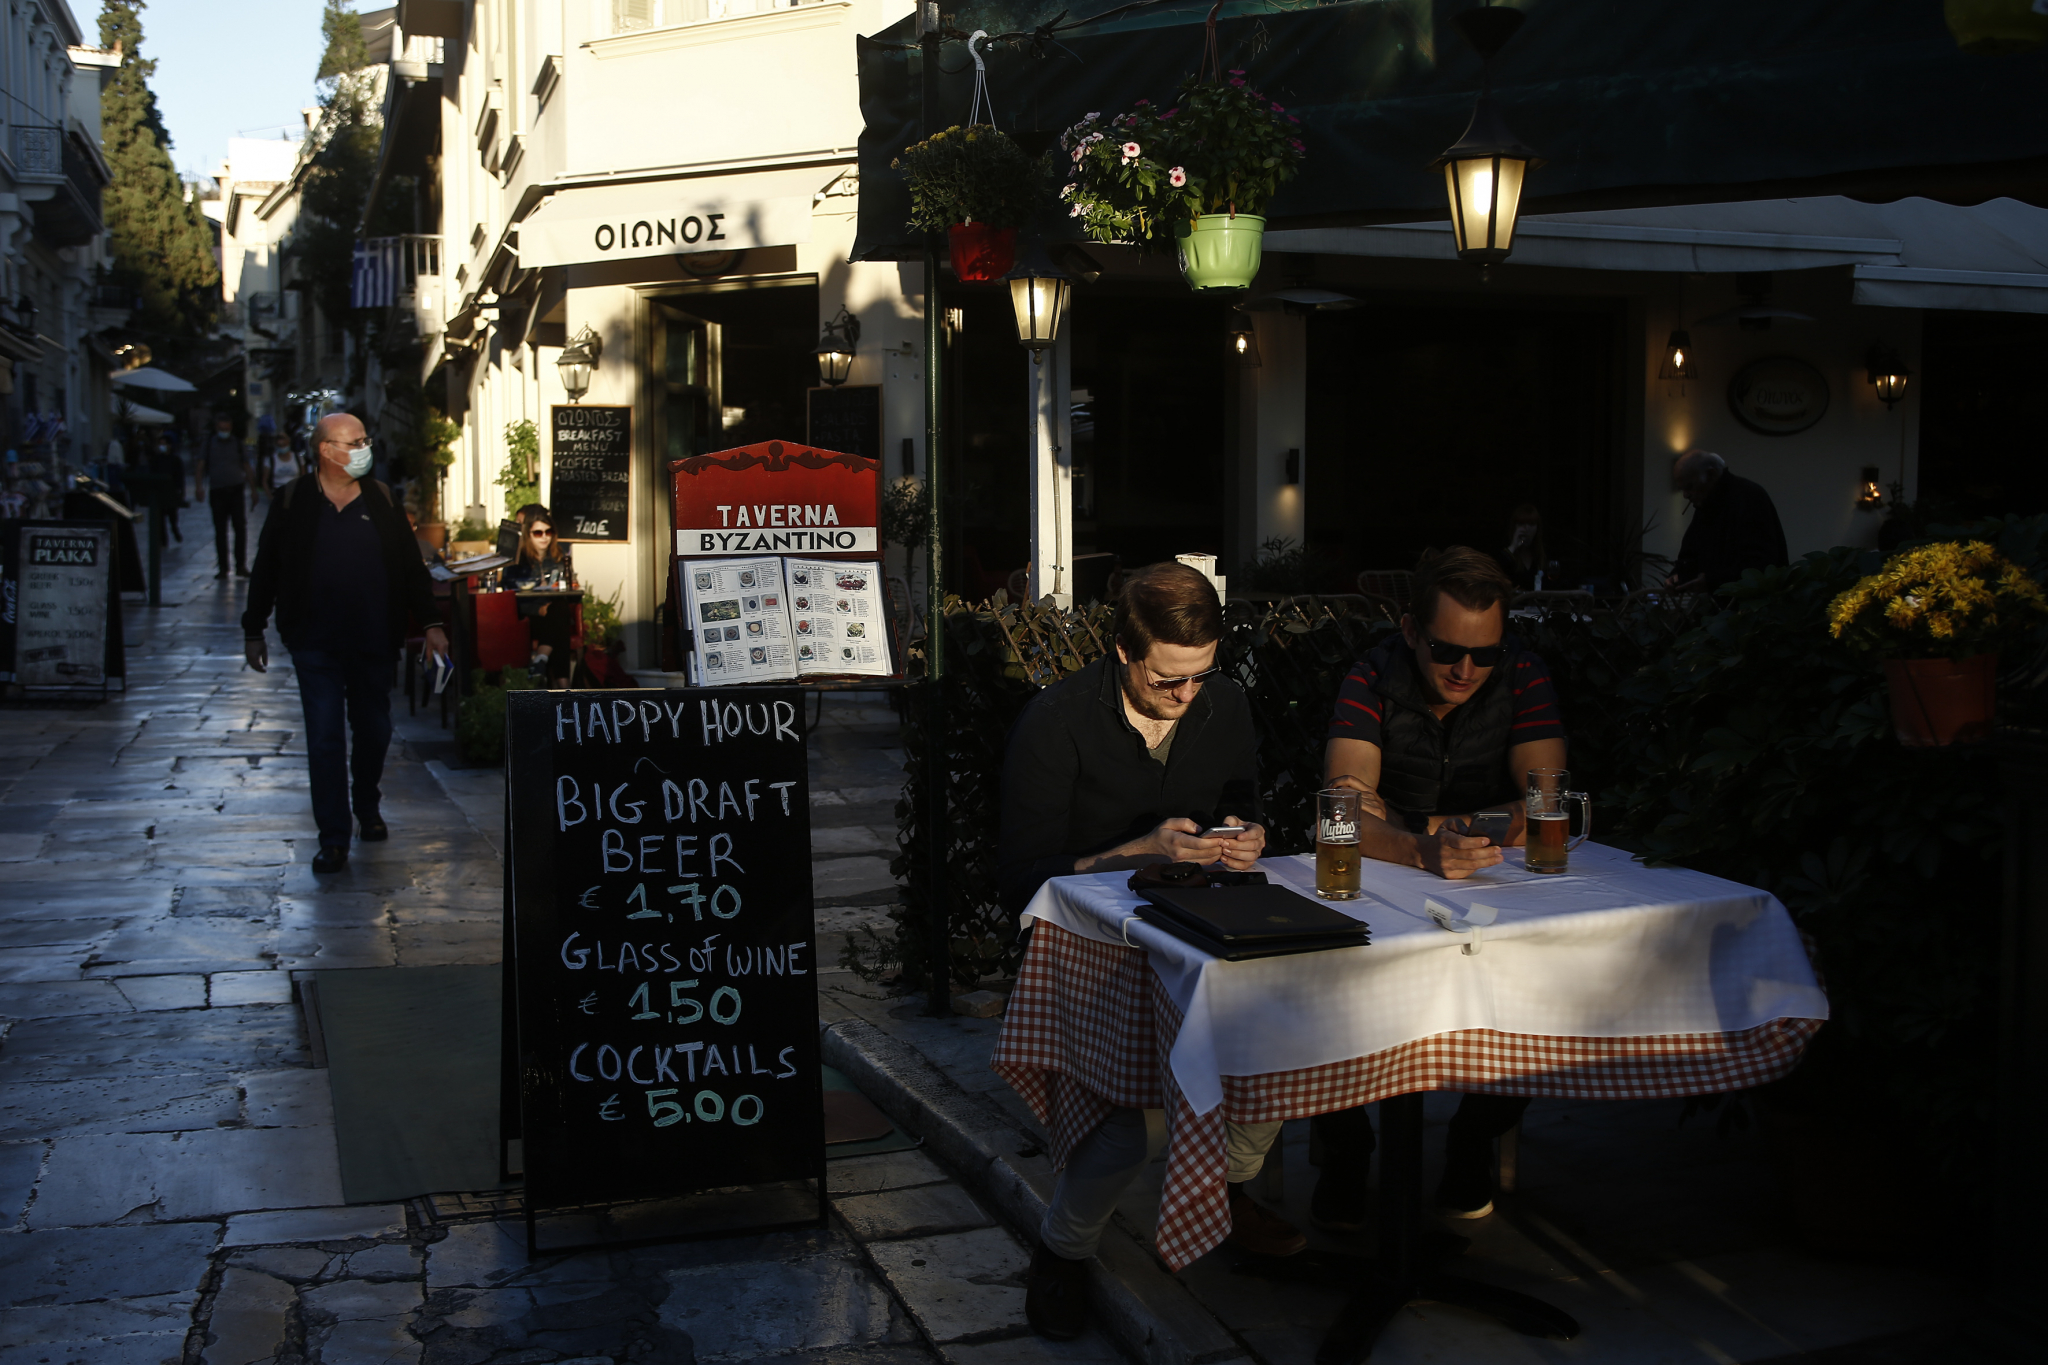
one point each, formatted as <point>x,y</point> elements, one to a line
<point>503,639</point>
<point>1392,584</point>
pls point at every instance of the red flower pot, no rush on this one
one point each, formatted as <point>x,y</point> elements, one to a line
<point>981,252</point>
<point>1942,701</point>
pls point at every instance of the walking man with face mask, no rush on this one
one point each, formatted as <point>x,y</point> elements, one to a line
<point>338,562</point>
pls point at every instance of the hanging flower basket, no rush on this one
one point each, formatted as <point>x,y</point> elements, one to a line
<point>1195,177</point>
<point>1218,251</point>
<point>982,252</point>
<point>973,180</point>
<point>1936,702</point>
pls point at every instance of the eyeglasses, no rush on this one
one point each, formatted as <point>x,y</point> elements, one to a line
<point>542,533</point>
<point>1175,684</point>
<point>345,445</point>
<point>1445,653</point>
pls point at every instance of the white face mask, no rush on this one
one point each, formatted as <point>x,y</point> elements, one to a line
<point>359,461</point>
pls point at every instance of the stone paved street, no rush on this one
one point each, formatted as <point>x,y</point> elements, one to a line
<point>169,1185</point>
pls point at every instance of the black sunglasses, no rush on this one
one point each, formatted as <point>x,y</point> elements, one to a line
<point>1445,653</point>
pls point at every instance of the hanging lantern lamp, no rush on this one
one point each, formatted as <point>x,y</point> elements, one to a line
<point>1484,169</point>
<point>1039,294</point>
<point>836,347</point>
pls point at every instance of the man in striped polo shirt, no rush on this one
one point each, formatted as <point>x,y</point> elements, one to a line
<point>1442,721</point>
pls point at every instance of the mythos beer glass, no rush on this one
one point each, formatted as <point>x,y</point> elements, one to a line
<point>1337,844</point>
<point>1550,823</point>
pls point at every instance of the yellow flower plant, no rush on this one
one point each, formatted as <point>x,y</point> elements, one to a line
<point>1944,601</point>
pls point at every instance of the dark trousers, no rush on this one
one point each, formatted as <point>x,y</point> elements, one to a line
<point>1344,1141</point>
<point>333,688</point>
<point>230,508</point>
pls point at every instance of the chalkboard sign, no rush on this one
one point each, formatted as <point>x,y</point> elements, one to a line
<point>847,419</point>
<point>590,477</point>
<point>667,1007</point>
<point>54,604</point>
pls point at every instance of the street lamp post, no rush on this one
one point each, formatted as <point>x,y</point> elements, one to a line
<point>938,766</point>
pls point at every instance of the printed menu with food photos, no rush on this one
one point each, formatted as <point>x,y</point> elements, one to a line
<point>768,620</point>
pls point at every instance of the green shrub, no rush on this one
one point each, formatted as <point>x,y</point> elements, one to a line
<point>480,719</point>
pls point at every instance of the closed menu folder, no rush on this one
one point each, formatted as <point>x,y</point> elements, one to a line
<point>1237,923</point>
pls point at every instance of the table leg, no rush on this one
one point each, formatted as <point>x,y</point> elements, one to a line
<point>1405,1270</point>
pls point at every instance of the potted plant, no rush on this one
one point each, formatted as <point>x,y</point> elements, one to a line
<point>1196,175</point>
<point>1937,616</point>
<point>976,185</point>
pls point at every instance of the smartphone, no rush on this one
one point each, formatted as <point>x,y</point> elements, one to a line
<point>1491,825</point>
<point>1225,832</point>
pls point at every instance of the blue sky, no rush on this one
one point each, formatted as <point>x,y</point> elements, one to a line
<point>225,68</point>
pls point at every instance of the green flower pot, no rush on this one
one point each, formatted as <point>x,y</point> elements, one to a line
<point>1222,251</point>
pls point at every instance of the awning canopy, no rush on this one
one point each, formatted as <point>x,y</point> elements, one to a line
<point>126,410</point>
<point>1631,105</point>
<point>1911,254</point>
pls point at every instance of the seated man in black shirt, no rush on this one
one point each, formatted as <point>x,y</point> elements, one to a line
<point>1123,764</point>
<point>1439,722</point>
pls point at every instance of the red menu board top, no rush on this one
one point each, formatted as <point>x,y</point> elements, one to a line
<point>777,497</point>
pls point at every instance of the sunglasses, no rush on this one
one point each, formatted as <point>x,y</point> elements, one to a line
<point>1445,653</point>
<point>1175,684</point>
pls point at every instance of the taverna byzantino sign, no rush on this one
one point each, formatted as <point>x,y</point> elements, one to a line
<point>778,498</point>
<point>663,218</point>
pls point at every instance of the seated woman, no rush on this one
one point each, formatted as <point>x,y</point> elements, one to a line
<point>542,563</point>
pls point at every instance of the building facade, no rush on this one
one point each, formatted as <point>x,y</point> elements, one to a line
<point>53,367</point>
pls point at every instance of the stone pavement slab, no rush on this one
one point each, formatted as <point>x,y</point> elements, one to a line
<point>103,1179</point>
<point>918,1212</point>
<point>79,1265</point>
<point>964,1284</point>
<point>250,1318</point>
<point>335,1224</point>
<point>820,1302</point>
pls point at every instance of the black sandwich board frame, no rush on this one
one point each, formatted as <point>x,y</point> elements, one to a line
<point>554,754</point>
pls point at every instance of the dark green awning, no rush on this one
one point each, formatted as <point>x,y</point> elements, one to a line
<point>1631,103</point>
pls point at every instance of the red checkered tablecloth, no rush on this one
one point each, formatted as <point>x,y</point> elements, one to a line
<point>1090,1026</point>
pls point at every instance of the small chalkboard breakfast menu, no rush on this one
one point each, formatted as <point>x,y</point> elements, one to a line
<point>666,1027</point>
<point>590,472</point>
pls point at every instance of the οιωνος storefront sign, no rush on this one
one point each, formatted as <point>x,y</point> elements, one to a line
<point>777,498</point>
<point>665,217</point>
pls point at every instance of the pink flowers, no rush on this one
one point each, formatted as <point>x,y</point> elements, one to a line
<point>1169,113</point>
<point>1131,150</point>
<point>1143,103</point>
<point>1237,81</point>
<point>1177,177</point>
<point>1278,110</point>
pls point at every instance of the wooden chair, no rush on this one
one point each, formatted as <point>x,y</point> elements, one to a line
<point>1389,585</point>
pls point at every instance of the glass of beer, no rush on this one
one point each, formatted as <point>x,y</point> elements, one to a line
<point>1549,823</point>
<point>1337,811</point>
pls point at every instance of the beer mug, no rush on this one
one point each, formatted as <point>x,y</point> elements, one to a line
<point>1549,823</point>
<point>1337,812</point>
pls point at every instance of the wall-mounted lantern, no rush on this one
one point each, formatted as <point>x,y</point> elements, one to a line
<point>577,361</point>
<point>1484,170</point>
<point>836,347</point>
<point>1887,375</point>
<point>1871,493</point>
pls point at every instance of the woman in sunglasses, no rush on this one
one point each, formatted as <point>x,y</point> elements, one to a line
<point>1438,723</point>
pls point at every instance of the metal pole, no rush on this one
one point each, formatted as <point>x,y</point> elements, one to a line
<point>938,767</point>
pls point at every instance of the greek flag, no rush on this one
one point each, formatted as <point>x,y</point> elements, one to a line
<point>375,282</point>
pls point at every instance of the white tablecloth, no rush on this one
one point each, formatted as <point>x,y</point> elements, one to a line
<point>1608,949</point>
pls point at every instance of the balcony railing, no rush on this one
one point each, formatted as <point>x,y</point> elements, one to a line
<point>634,16</point>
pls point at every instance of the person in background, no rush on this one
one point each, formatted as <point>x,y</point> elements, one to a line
<point>284,464</point>
<point>1441,721</point>
<point>165,463</point>
<point>1122,764</point>
<point>543,562</point>
<point>336,561</point>
<point>1734,527</point>
<point>1524,555</point>
<point>220,473</point>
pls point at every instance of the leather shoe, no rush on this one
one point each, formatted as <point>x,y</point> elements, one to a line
<point>375,831</point>
<point>1257,1229</point>
<point>1466,1190</point>
<point>331,858</point>
<point>1338,1204</point>
<point>1056,1296</point>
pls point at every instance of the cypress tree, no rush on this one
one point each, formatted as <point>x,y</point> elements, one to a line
<point>162,245</point>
